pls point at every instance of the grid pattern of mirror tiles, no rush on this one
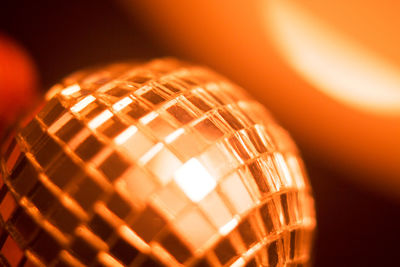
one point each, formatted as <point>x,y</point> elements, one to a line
<point>156,164</point>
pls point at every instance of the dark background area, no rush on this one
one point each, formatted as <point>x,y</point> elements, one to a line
<point>355,227</point>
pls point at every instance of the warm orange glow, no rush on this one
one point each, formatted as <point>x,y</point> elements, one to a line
<point>194,180</point>
<point>132,237</point>
<point>227,228</point>
<point>100,119</point>
<point>71,89</point>
<point>124,102</point>
<point>149,117</point>
<point>171,137</point>
<point>83,103</point>
<point>151,152</point>
<point>108,260</point>
<point>334,63</point>
<point>18,81</point>
<point>125,135</point>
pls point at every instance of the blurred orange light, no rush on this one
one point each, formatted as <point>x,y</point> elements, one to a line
<point>334,63</point>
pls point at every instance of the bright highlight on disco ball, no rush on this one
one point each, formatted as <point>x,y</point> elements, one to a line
<point>161,163</point>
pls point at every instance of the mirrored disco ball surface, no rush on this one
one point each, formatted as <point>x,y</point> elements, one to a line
<point>153,164</point>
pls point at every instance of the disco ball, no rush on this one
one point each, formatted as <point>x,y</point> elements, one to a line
<point>153,164</point>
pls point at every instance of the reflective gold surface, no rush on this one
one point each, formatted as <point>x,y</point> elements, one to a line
<point>161,163</point>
